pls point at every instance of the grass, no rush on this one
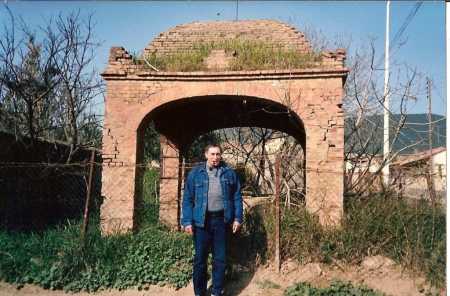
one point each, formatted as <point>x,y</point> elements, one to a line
<point>410,233</point>
<point>267,284</point>
<point>147,210</point>
<point>56,258</point>
<point>335,288</point>
<point>247,55</point>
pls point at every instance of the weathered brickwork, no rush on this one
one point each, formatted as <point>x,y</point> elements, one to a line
<point>135,96</point>
<point>183,37</point>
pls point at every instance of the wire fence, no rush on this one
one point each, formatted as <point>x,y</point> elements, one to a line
<point>67,183</point>
<point>35,196</point>
<point>38,195</point>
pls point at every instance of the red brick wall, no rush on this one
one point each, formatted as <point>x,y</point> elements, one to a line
<point>184,36</point>
<point>134,93</point>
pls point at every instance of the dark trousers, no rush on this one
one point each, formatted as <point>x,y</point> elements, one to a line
<point>213,236</point>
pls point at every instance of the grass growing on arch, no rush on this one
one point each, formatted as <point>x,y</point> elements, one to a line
<point>247,55</point>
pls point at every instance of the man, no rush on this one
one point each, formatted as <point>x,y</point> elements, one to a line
<point>212,206</point>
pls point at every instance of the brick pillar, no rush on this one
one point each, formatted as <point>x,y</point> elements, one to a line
<point>118,181</point>
<point>118,205</point>
<point>325,171</point>
<point>169,186</point>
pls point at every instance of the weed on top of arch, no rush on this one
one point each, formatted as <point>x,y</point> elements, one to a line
<point>244,55</point>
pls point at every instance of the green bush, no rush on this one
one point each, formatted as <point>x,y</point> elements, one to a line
<point>55,259</point>
<point>413,234</point>
<point>337,288</point>
<point>147,209</point>
<point>249,247</point>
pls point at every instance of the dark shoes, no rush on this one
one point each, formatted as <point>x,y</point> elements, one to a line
<point>212,294</point>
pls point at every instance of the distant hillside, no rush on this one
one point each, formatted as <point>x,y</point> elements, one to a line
<point>414,132</point>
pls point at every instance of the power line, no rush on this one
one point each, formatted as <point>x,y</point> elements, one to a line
<point>406,22</point>
<point>402,29</point>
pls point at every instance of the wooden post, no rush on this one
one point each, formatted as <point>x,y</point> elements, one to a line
<point>430,173</point>
<point>277,213</point>
<point>88,197</point>
<point>179,189</point>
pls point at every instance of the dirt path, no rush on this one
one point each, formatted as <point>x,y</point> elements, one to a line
<point>266,281</point>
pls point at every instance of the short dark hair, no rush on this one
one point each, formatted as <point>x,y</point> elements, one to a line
<point>212,146</point>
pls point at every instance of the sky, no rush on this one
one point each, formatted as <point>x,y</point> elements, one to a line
<point>134,24</point>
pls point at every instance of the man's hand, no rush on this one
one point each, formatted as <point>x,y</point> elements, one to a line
<point>188,229</point>
<point>236,226</point>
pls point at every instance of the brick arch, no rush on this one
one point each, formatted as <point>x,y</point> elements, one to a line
<point>313,94</point>
<point>178,127</point>
<point>186,92</point>
<point>289,121</point>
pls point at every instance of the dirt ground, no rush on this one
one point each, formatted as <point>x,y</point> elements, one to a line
<point>384,277</point>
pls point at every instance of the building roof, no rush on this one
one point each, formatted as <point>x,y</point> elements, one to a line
<point>411,158</point>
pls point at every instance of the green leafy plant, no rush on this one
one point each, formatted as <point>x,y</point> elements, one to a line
<point>411,233</point>
<point>57,259</point>
<point>337,288</point>
<point>147,209</point>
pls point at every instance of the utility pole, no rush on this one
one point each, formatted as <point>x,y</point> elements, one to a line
<point>430,178</point>
<point>237,10</point>
<point>386,146</point>
<point>447,44</point>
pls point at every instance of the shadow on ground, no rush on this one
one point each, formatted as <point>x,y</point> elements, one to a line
<point>246,251</point>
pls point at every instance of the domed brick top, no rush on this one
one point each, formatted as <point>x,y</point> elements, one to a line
<point>185,36</point>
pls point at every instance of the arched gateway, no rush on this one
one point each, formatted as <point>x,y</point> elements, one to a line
<point>306,103</point>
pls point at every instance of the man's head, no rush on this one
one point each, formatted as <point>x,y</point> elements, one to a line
<point>213,155</point>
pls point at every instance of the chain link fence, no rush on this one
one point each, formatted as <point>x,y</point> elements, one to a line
<point>39,187</point>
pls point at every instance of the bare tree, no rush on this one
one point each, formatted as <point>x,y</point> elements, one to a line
<point>254,149</point>
<point>27,81</point>
<point>79,84</point>
<point>47,80</point>
<point>363,104</point>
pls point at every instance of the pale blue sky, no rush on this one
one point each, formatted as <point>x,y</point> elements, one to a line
<point>134,24</point>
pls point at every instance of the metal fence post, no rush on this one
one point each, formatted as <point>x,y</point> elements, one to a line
<point>88,197</point>
<point>277,212</point>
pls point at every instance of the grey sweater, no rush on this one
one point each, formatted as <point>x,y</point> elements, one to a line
<point>215,195</point>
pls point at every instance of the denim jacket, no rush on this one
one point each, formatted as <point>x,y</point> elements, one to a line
<point>195,196</point>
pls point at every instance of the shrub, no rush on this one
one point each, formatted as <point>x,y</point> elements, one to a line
<point>336,288</point>
<point>147,209</point>
<point>411,233</point>
<point>55,259</point>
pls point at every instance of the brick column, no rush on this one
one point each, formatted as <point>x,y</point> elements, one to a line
<point>118,181</point>
<point>325,170</point>
<point>169,186</point>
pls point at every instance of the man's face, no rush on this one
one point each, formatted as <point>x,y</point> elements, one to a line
<point>213,156</point>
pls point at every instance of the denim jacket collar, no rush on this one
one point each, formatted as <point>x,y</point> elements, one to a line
<point>224,167</point>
